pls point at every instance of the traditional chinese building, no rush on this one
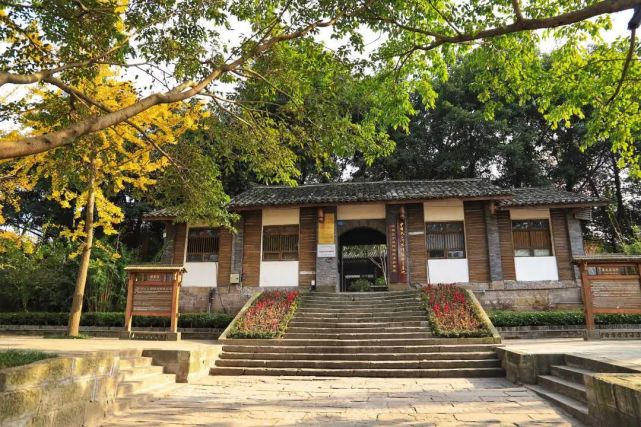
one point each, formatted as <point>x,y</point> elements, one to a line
<point>512,246</point>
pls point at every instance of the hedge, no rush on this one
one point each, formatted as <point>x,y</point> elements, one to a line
<point>187,320</point>
<point>505,318</point>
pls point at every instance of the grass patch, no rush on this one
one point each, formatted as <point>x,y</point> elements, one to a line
<point>11,358</point>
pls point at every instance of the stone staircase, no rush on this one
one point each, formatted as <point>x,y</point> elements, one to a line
<point>140,381</point>
<point>379,334</point>
<point>565,386</point>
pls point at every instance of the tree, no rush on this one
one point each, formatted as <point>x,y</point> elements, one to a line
<point>84,177</point>
<point>181,45</point>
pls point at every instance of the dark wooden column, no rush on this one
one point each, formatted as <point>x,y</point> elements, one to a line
<point>252,247</point>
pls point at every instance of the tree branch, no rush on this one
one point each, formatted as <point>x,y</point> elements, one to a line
<point>40,143</point>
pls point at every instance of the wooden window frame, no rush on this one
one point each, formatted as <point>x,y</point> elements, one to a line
<point>446,250</point>
<point>198,249</point>
<point>531,247</point>
<point>283,234</point>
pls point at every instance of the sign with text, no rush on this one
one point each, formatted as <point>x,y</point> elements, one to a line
<point>152,298</point>
<point>326,230</point>
<point>397,244</point>
<point>326,251</point>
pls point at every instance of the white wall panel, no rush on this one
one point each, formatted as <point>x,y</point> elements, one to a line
<point>443,210</point>
<point>279,273</point>
<point>200,274</point>
<point>536,268</point>
<point>447,270</point>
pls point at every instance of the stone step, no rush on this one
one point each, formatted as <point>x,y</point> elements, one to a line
<point>571,373</point>
<point>362,294</point>
<point>359,364</point>
<point>480,355</point>
<point>357,335</point>
<point>127,388</point>
<point>354,342</point>
<point>355,330</point>
<point>385,373</point>
<point>125,404</point>
<point>356,312</point>
<point>573,407</point>
<point>355,303</point>
<point>370,349</point>
<point>139,372</point>
<point>364,319</point>
<point>567,388</point>
<point>359,309</point>
<point>134,362</point>
<point>348,325</point>
<point>360,298</point>
<point>595,365</point>
<point>360,312</point>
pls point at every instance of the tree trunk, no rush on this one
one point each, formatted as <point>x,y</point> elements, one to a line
<point>81,279</point>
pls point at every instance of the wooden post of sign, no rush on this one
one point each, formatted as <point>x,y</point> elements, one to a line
<point>587,297</point>
<point>131,277</point>
<point>174,304</point>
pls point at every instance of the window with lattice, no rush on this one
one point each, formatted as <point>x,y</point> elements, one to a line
<point>280,243</point>
<point>531,238</point>
<point>445,240</point>
<point>203,245</point>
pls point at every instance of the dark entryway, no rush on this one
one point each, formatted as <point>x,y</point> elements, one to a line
<point>362,256</point>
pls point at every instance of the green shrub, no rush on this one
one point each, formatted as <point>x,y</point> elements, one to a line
<point>506,318</point>
<point>360,285</point>
<point>10,358</point>
<point>115,319</point>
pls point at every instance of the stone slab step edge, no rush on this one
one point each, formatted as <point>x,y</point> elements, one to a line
<point>595,365</point>
<point>356,330</point>
<point>571,373</point>
<point>480,355</point>
<point>128,388</point>
<point>381,373</point>
<point>357,343</point>
<point>571,389</point>
<point>347,325</point>
<point>359,364</point>
<point>365,319</point>
<point>139,372</point>
<point>573,407</point>
<point>358,335</point>
<point>125,404</point>
<point>248,348</point>
<point>134,362</point>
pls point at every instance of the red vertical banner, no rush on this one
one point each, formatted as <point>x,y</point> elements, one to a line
<point>402,246</point>
<point>392,252</point>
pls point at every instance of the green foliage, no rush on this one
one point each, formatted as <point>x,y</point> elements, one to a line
<point>43,279</point>
<point>380,281</point>
<point>633,247</point>
<point>11,358</point>
<point>116,319</point>
<point>360,285</point>
<point>507,318</point>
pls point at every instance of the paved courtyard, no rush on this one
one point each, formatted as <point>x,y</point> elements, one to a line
<point>283,401</point>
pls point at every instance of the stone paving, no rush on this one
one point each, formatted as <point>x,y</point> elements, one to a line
<point>282,401</point>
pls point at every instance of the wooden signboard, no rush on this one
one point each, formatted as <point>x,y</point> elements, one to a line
<point>610,284</point>
<point>153,290</point>
<point>397,244</point>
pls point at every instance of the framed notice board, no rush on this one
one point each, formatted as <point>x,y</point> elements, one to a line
<point>153,290</point>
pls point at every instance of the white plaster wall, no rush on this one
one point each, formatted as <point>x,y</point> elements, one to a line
<point>443,210</point>
<point>200,274</point>
<point>536,268</point>
<point>368,211</point>
<point>281,216</point>
<point>278,273</point>
<point>537,213</point>
<point>447,270</point>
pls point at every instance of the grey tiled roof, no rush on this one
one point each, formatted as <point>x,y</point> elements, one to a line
<point>351,192</point>
<point>385,191</point>
<point>549,196</point>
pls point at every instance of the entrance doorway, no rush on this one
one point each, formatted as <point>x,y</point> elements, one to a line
<point>362,260</point>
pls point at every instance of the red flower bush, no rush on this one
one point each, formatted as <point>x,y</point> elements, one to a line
<point>450,311</point>
<point>268,316</point>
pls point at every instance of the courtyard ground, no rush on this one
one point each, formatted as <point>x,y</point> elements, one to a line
<point>228,401</point>
<point>286,401</point>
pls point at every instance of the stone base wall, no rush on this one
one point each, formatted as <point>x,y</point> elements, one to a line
<point>62,391</point>
<point>229,299</point>
<point>541,295</point>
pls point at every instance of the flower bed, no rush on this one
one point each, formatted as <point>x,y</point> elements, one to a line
<point>451,312</point>
<point>268,316</point>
